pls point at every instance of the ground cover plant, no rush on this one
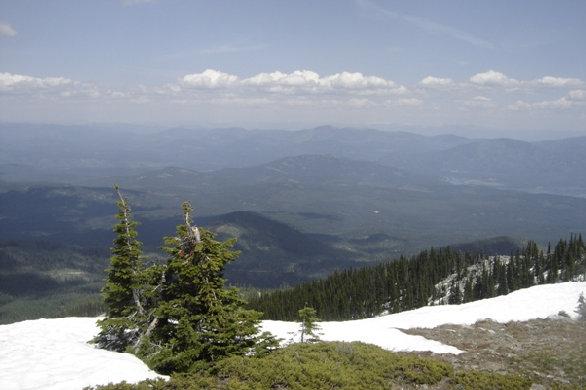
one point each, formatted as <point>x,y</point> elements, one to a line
<point>331,365</point>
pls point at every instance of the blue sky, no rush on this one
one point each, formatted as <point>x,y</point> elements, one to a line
<point>512,65</point>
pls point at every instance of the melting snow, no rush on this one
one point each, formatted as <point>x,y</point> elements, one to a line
<point>54,354</point>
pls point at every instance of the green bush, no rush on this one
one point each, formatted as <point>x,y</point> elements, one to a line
<point>310,366</point>
<point>329,365</point>
<point>477,380</point>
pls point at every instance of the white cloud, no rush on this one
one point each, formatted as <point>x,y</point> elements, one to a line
<point>298,80</point>
<point>6,30</point>
<point>479,102</point>
<point>578,94</point>
<point>357,80</point>
<point>209,79</point>
<point>263,79</point>
<point>360,102</point>
<point>431,81</point>
<point>493,78</point>
<point>117,94</point>
<point>561,103</point>
<point>11,82</point>
<point>558,103</point>
<point>62,86</point>
<point>558,81</point>
<point>519,105</point>
<point>405,102</point>
<point>279,82</point>
<point>482,99</point>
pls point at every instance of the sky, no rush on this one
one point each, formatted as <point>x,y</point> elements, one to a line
<point>53,354</point>
<point>516,66</point>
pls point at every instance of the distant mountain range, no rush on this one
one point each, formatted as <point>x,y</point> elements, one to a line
<point>301,203</point>
<point>83,155</point>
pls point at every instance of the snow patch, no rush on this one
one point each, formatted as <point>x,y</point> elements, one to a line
<point>54,354</point>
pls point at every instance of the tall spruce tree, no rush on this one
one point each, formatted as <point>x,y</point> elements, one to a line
<point>198,319</point>
<point>123,292</point>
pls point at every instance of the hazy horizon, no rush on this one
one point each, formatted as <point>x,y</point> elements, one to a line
<point>512,68</point>
<point>470,132</point>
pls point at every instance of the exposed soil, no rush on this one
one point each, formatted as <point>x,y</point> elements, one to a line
<point>551,352</point>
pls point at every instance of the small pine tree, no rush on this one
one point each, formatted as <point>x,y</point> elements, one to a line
<point>581,308</point>
<point>309,326</point>
<point>455,297</point>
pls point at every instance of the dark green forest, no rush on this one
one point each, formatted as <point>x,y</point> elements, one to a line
<point>48,279</point>
<point>434,276</point>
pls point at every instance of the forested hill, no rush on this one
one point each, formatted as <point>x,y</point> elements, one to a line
<point>435,276</point>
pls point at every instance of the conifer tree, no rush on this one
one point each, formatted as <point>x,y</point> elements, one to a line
<point>309,326</point>
<point>123,292</point>
<point>581,308</point>
<point>469,290</point>
<point>198,319</point>
<point>455,297</point>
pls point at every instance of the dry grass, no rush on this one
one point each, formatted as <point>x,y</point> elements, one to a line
<point>551,352</point>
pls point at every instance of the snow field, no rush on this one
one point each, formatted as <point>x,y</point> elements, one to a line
<point>54,353</point>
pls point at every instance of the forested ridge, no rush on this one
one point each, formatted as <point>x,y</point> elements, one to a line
<point>434,276</point>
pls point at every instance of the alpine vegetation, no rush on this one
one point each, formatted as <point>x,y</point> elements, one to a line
<point>179,315</point>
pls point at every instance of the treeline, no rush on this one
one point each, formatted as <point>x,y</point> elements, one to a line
<point>435,276</point>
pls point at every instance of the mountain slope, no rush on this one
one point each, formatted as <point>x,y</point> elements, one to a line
<point>274,254</point>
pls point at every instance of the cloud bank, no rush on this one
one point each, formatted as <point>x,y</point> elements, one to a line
<point>297,81</point>
<point>489,97</point>
<point>43,86</point>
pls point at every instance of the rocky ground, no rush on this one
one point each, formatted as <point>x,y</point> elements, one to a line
<point>551,352</point>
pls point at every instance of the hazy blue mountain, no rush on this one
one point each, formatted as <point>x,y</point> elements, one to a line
<point>546,166</point>
<point>85,154</point>
<point>71,150</point>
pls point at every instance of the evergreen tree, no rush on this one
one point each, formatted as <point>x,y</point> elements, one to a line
<point>581,309</point>
<point>539,265</point>
<point>123,292</point>
<point>198,320</point>
<point>455,297</point>
<point>500,274</point>
<point>309,325</point>
<point>469,290</point>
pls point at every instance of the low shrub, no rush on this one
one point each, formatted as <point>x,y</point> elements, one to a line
<point>328,365</point>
